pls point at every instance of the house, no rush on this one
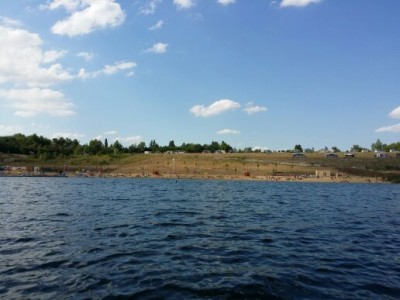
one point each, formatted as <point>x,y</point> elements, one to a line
<point>297,155</point>
<point>331,155</point>
<point>381,154</point>
<point>349,154</point>
<point>323,173</point>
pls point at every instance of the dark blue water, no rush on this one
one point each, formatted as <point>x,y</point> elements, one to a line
<point>63,238</point>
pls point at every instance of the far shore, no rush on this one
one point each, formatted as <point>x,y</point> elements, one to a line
<point>271,178</point>
<point>283,178</point>
<point>273,167</point>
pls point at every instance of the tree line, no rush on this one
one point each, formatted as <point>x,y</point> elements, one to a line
<point>46,148</point>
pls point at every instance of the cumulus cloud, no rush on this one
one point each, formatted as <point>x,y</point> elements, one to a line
<point>23,61</point>
<point>129,140</point>
<point>184,4</point>
<point>69,5</point>
<point>109,70</point>
<point>118,66</point>
<point>149,7</point>
<point>9,130</point>
<point>33,101</point>
<point>228,131</point>
<point>111,132</point>
<point>395,114</point>
<point>31,71</point>
<point>252,109</point>
<point>86,55</point>
<point>226,2</point>
<point>86,16</point>
<point>67,135</point>
<point>298,3</point>
<point>159,48</point>
<point>216,108</point>
<point>393,129</point>
<point>52,56</point>
<point>10,22</point>
<point>158,25</point>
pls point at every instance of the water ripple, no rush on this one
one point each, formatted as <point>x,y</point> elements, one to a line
<point>160,239</point>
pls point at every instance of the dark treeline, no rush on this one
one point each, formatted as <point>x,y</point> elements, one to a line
<point>43,147</point>
<point>46,148</point>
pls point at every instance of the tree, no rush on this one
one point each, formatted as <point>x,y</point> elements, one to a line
<point>214,146</point>
<point>141,147</point>
<point>377,146</point>
<point>335,149</point>
<point>225,147</point>
<point>94,147</point>
<point>117,147</point>
<point>171,145</point>
<point>153,146</point>
<point>356,148</point>
<point>298,148</point>
<point>105,143</point>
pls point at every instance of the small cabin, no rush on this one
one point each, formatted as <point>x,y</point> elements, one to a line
<point>298,155</point>
<point>381,155</point>
<point>331,155</point>
<point>349,154</point>
<point>323,173</point>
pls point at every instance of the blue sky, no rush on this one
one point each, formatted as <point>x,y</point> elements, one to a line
<point>254,73</point>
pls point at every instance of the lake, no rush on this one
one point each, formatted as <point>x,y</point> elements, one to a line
<point>84,238</point>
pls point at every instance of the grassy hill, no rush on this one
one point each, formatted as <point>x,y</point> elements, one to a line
<point>234,165</point>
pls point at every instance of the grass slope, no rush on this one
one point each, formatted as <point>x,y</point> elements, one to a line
<point>218,165</point>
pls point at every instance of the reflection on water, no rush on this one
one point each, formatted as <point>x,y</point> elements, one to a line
<point>105,238</point>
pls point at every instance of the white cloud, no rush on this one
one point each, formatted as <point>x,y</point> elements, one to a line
<point>129,140</point>
<point>158,25</point>
<point>298,3</point>
<point>395,114</point>
<point>109,70</point>
<point>184,4</point>
<point>159,48</point>
<point>118,66</point>
<point>216,108</point>
<point>8,22</point>
<point>86,55</point>
<point>22,60</point>
<point>228,131</point>
<point>91,16</point>
<point>394,128</point>
<point>111,132</point>
<point>67,135</point>
<point>252,109</point>
<point>34,101</point>
<point>52,56</point>
<point>150,7</point>
<point>226,2</point>
<point>9,130</point>
<point>69,5</point>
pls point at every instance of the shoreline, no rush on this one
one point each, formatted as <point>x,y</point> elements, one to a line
<point>269,178</point>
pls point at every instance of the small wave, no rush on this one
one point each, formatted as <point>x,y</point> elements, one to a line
<point>24,240</point>
<point>382,289</point>
<point>267,240</point>
<point>177,291</point>
<point>178,224</point>
<point>52,264</point>
<point>62,214</point>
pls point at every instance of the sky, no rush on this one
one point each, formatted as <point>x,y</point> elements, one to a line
<point>267,74</point>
